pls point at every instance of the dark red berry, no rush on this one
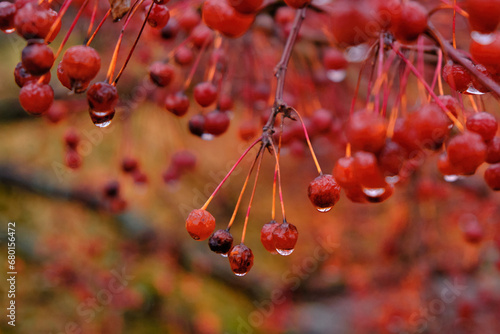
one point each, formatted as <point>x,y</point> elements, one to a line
<point>72,159</point>
<point>297,3</point>
<point>81,63</point>
<point>33,21</point>
<point>57,111</point>
<point>196,125</point>
<point>483,123</point>
<point>493,151</point>
<point>159,16</point>
<point>36,98</point>
<point>200,224</point>
<point>7,14</point>
<point>457,77</point>
<point>171,30</point>
<point>188,19</point>
<point>177,104</point>
<point>431,125</point>
<point>246,6</point>
<point>409,22</point>
<point>205,93</point>
<point>285,237</point>
<point>221,242</point>
<point>221,16</point>
<point>102,96</point>
<point>366,131</point>
<point>21,76</point>
<point>492,176</point>
<point>240,259</point>
<point>216,122</point>
<point>367,170</point>
<point>466,152</point>
<point>184,56</point>
<point>266,236</point>
<point>161,74</point>
<point>201,35</point>
<point>184,160</point>
<point>391,158</point>
<point>111,189</point>
<point>484,15</point>
<point>37,57</point>
<point>324,192</point>
<point>129,164</point>
<point>71,138</point>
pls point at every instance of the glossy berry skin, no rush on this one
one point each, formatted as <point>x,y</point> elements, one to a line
<point>391,158</point>
<point>266,236</point>
<point>161,74</point>
<point>466,152</point>
<point>484,15</point>
<point>285,237</point>
<point>492,177</point>
<point>81,63</point>
<point>366,131</point>
<point>36,98</point>
<point>221,242</point>
<point>196,125</point>
<point>488,54</point>
<point>297,3</point>
<point>216,122</point>
<point>205,93</point>
<point>33,21</point>
<point>431,126</point>
<point>493,151</point>
<point>221,16</point>
<point>129,165</point>
<point>200,224</point>
<point>22,77</point>
<point>37,57</point>
<point>76,86</point>
<point>348,22</point>
<point>457,77</point>
<point>409,22</point>
<point>102,96</point>
<point>324,192</point>
<point>344,174</point>
<point>240,259</point>
<point>7,14</point>
<point>367,170</point>
<point>483,123</point>
<point>159,16</point>
<point>177,104</point>
<point>246,6</point>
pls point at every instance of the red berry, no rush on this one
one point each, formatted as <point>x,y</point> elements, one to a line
<point>445,167</point>
<point>129,164</point>
<point>366,131</point>
<point>367,170</point>
<point>240,259</point>
<point>266,236</point>
<point>297,3</point>
<point>391,158</point>
<point>72,159</point>
<point>101,118</point>
<point>33,21</point>
<point>344,174</point>
<point>37,57</point>
<point>21,76</point>
<point>349,22</point>
<point>161,74</point>
<point>216,122</point>
<point>246,6</point>
<point>188,19</point>
<point>409,22</point>
<point>197,125</point>
<point>171,30</point>
<point>221,16</point>
<point>177,104</point>
<point>221,242</point>
<point>111,189</point>
<point>484,15</point>
<point>457,77</point>
<point>201,35</point>
<point>81,63</point>
<point>484,124</point>
<point>247,130</point>
<point>205,93</point>
<point>492,176</point>
<point>7,14</point>
<point>324,192</point>
<point>334,59</point>
<point>487,54</point>
<point>159,16</point>
<point>322,120</point>
<point>493,151</point>
<point>71,138</point>
<point>184,160</point>
<point>431,125</point>
<point>184,56</point>
<point>285,237</point>
<point>466,151</point>
<point>200,224</point>
<point>102,96</point>
<point>36,98</point>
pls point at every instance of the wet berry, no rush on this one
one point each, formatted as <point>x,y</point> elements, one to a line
<point>484,15</point>
<point>216,122</point>
<point>483,123</point>
<point>457,77</point>
<point>367,170</point>
<point>102,96</point>
<point>466,151</point>
<point>324,192</point>
<point>221,242</point>
<point>409,22</point>
<point>37,57</point>
<point>344,174</point>
<point>177,104</point>
<point>159,16</point>
<point>431,125</point>
<point>21,76</point>
<point>161,74</point>
<point>366,131</point>
<point>240,259</point>
<point>7,14</point>
<point>33,21</point>
<point>81,64</point>
<point>266,236</point>
<point>205,93</point>
<point>492,176</point>
<point>196,125</point>
<point>200,224</point>
<point>285,237</point>
<point>221,16</point>
<point>36,98</point>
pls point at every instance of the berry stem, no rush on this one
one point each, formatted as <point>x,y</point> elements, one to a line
<point>134,45</point>
<point>70,30</point>
<point>217,46</point>
<point>98,28</point>
<point>204,207</point>
<point>231,221</point>
<point>253,194</point>
<point>454,24</point>
<point>437,73</point>
<point>190,77</point>
<point>92,19</point>
<point>60,15</point>
<point>318,167</point>
<point>276,156</point>
<point>429,90</point>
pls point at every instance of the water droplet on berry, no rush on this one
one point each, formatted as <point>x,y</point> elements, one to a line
<point>392,179</point>
<point>207,136</point>
<point>374,192</point>
<point>9,31</point>
<point>336,75</point>
<point>450,178</point>
<point>483,39</point>
<point>224,255</point>
<point>284,252</point>
<point>101,119</point>
<point>240,274</point>
<point>356,54</point>
<point>324,209</point>
<point>474,91</point>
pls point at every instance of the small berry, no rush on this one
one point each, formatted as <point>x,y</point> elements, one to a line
<point>492,177</point>
<point>21,76</point>
<point>34,21</point>
<point>324,192</point>
<point>71,138</point>
<point>205,93</point>
<point>221,242</point>
<point>366,131</point>
<point>367,170</point>
<point>457,77</point>
<point>81,63</point>
<point>201,35</point>
<point>200,224</point>
<point>36,98</point>
<point>409,22</point>
<point>246,6</point>
<point>161,74</point>
<point>196,125</point>
<point>177,104</point>
<point>72,159</point>
<point>493,151</point>
<point>184,160</point>
<point>159,16</point>
<point>111,189</point>
<point>344,174</point>
<point>240,259</point>
<point>285,237</point>
<point>102,96</point>
<point>216,122</point>
<point>466,152</point>
<point>129,164</point>
<point>221,16</point>
<point>266,236</point>
<point>37,57</point>
<point>184,56</point>
<point>483,123</point>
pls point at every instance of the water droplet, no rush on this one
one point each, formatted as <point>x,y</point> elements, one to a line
<point>356,54</point>
<point>240,274</point>
<point>285,252</point>
<point>374,192</point>
<point>207,136</point>
<point>9,31</point>
<point>224,255</point>
<point>392,179</point>
<point>102,119</point>
<point>474,91</point>
<point>450,178</point>
<point>324,209</point>
<point>483,39</point>
<point>336,75</point>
